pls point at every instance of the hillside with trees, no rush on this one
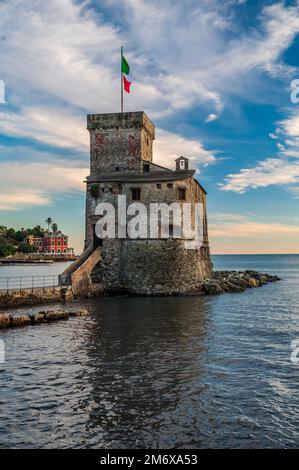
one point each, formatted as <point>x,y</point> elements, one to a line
<point>13,241</point>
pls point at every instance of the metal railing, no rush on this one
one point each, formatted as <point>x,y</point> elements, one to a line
<point>28,282</point>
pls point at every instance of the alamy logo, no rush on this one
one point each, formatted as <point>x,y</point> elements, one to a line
<point>295,93</point>
<point>295,351</point>
<point>2,352</point>
<point>2,92</point>
<point>155,221</point>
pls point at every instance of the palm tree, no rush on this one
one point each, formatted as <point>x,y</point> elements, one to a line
<point>54,227</point>
<point>49,221</point>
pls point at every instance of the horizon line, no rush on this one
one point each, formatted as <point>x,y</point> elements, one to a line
<point>254,254</point>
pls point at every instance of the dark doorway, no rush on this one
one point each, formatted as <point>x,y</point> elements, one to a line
<point>96,240</point>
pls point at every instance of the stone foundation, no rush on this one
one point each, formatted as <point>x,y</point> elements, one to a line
<point>162,267</point>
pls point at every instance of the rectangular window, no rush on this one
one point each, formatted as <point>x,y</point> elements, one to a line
<point>159,185</point>
<point>182,194</point>
<point>169,185</point>
<point>146,168</point>
<point>136,194</point>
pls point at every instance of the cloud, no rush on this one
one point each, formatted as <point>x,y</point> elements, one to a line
<point>60,60</point>
<point>73,52</point>
<point>215,64</point>
<point>279,26</point>
<point>271,171</point>
<point>52,126</point>
<point>239,233</point>
<point>57,49</point>
<point>10,202</point>
<point>290,126</point>
<point>168,146</point>
<point>282,169</point>
<point>240,226</point>
<point>211,117</point>
<point>34,184</point>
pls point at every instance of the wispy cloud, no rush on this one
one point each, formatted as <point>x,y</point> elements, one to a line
<point>168,145</point>
<point>34,184</point>
<point>73,53</point>
<point>51,126</point>
<point>239,233</point>
<point>240,226</point>
<point>282,169</point>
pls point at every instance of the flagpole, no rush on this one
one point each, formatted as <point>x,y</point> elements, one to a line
<point>121,82</point>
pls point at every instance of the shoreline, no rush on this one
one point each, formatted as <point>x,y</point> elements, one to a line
<point>221,282</point>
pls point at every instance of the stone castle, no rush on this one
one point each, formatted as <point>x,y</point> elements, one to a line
<point>121,163</point>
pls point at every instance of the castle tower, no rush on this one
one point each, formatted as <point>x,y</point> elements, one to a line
<point>120,142</point>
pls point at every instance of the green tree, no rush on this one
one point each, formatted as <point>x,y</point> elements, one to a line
<point>38,231</point>
<point>10,233</point>
<point>19,236</point>
<point>6,249</point>
<point>49,221</point>
<point>54,227</point>
<point>27,249</point>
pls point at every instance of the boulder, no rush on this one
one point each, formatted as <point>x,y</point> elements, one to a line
<point>263,279</point>
<point>212,287</point>
<point>253,282</point>
<point>19,320</point>
<point>36,318</point>
<point>83,312</point>
<point>53,315</point>
<point>4,320</point>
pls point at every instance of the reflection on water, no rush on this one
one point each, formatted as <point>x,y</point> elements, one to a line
<point>146,366</point>
<point>158,372</point>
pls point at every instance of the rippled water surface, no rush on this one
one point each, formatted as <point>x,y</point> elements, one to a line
<point>160,372</point>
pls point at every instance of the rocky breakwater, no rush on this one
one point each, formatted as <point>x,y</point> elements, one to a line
<point>236,281</point>
<point>11,321</point>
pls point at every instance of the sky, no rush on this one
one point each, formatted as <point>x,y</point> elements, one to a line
<point>214,76</point>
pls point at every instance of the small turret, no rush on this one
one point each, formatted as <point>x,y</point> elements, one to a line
<point>182,163</point>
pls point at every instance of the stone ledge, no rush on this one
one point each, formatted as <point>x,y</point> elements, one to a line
<point>12,321</point>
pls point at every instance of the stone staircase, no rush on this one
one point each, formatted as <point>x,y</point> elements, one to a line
<point>78,275</point>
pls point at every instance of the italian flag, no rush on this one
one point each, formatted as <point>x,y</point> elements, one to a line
<point>125,69</point>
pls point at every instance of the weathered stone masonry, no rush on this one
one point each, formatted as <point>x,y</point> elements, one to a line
<point>121,160</point>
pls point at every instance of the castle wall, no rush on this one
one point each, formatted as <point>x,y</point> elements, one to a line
<point>139,266</point>
<point>150,193</point>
